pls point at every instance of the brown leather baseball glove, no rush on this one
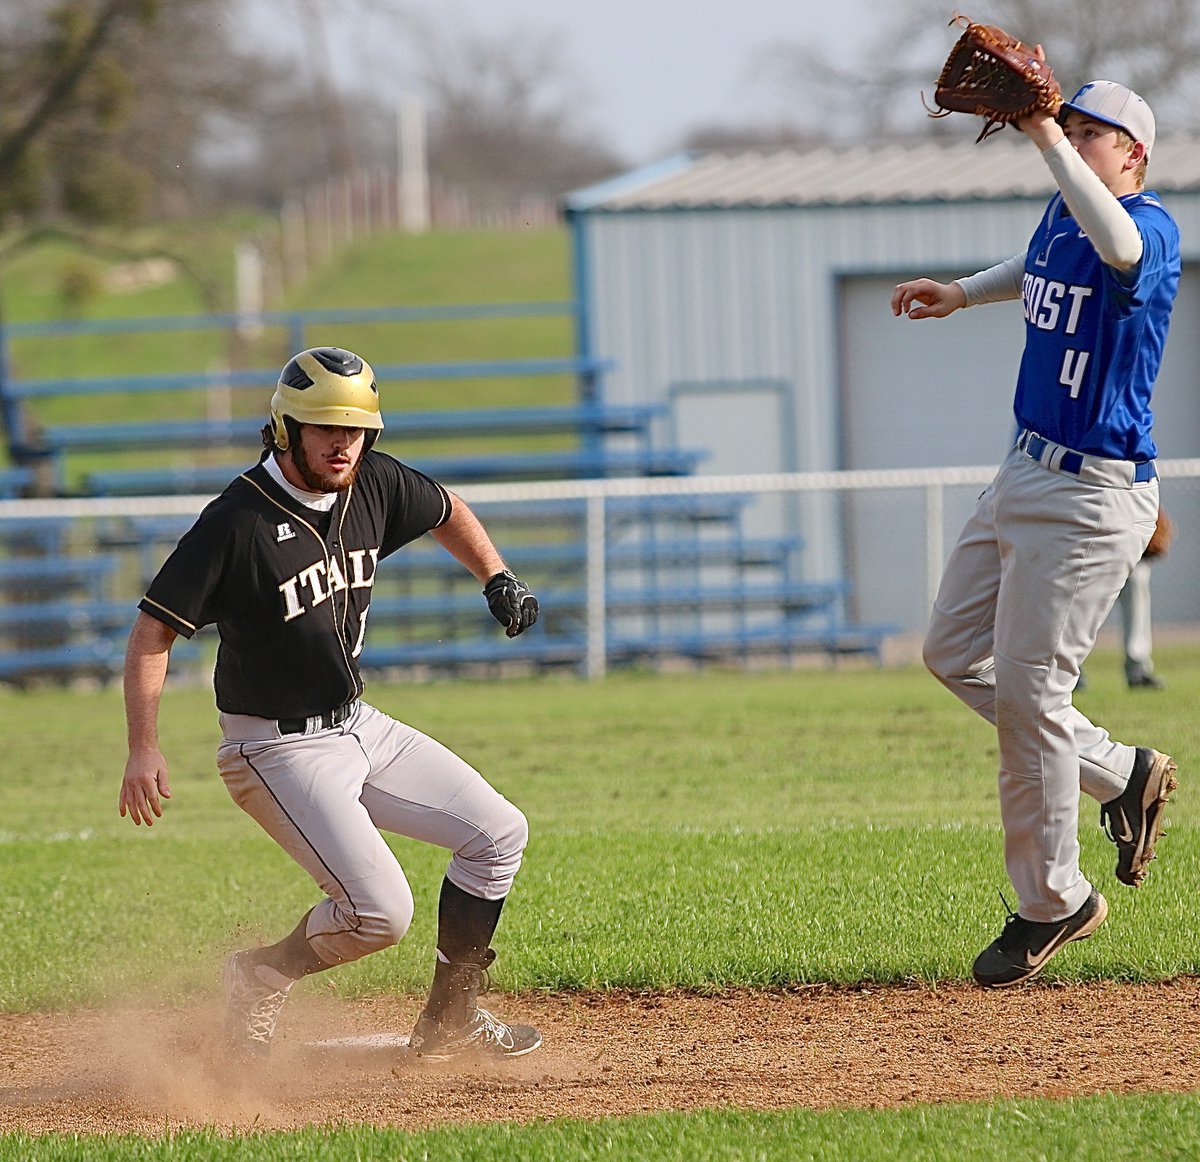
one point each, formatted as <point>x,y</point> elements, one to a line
<point>1160,539</point>
<point>996,77</point>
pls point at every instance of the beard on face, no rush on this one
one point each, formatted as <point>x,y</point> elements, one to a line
<point>318,481</point>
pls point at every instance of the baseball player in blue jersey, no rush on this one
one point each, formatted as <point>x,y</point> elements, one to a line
<point>1057,532</point>
<point>283,562</point>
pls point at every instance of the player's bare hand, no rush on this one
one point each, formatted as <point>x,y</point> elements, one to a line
<point>144,787</point>
<point>1041,128</point>
<point>922,298</point>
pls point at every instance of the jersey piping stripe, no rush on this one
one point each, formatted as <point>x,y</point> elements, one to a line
<point>311,846</point>
<point>345,507</point>
<point>447,505</point>
<point>170,613</point>
<point>345,570</point>
<point>283,508</point>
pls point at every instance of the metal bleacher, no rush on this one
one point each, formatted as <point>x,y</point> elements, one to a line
<point>209,433</point>
<point>569,464</point>
<point>682,579</point>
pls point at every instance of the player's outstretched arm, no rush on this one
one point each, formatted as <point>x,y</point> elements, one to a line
<point>922,298</point>
<point>467,541</point>
<point>145,784</point>
<point>509,599</point>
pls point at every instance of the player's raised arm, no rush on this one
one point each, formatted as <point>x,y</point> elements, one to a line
<point>1097,151</point>
<point>145,783</point>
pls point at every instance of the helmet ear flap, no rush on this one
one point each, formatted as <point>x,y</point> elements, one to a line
<point>279,432</point>
<point>287,432</point>
<point>284,431</point>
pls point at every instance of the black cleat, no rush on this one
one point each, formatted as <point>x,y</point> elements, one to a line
<point>482,1035</point>
<point>1134,820</point>
<point>1025,947</point>
<point>251,1007</point>
<point>453,1024</point>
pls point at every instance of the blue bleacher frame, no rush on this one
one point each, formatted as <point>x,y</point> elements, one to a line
<point>28,448</point>
<point>631,418</point>
<point>661,593</point>
<point>452,470</point>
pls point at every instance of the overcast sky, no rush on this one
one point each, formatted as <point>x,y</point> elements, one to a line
<point>651,69</point>
<point>656,68</point>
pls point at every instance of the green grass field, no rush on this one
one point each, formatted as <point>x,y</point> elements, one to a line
<point>779,827</point>
<point>1125,1130</point>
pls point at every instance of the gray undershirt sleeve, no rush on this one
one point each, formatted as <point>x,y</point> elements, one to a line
<point>997,284</point>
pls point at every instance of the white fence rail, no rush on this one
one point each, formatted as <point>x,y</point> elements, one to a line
<point>886,532</point>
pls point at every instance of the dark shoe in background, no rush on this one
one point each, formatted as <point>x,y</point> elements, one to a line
<point>1139,678</point>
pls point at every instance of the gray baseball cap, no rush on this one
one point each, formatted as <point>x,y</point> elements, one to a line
<point>1117,105</point>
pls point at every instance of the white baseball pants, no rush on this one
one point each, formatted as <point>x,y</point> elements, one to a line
<point>324,797</point>
<point>1025,591</point>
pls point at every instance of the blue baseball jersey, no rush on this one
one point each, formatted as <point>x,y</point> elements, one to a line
<point>1093,335</point>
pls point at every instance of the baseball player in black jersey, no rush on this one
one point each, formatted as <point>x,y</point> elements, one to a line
<point>283,562</point>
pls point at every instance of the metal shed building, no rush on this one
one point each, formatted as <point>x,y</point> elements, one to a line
<point>751,293</point>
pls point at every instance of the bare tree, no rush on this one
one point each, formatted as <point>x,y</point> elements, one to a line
<point>504,113</point>
<point>73,41</point>
<point>328,105</point>
<point>289,145</point>
<point>110,108</point>
<point>1154,48</point>
<point>504,108</point>
<point>198,88</point>
<point>52,73</point>
<point>104,103</point>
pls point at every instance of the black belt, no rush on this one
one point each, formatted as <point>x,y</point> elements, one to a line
<point>326,721</point>
<point>1034,446</point>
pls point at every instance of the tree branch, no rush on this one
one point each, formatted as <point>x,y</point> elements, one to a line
<point>66,81</point>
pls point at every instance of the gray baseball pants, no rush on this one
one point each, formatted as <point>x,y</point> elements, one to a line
<point>1025,591</point>
<point>324,797</point>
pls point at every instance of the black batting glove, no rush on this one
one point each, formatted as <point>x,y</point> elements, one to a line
<point>511,603</point>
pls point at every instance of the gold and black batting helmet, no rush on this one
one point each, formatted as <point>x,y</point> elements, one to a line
<point>325,385</point>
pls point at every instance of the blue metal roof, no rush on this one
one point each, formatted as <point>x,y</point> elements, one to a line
<point>594,196</point>
<point>1000,168</point>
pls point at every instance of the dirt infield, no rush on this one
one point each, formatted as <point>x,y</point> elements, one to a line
<point>150,1072</point>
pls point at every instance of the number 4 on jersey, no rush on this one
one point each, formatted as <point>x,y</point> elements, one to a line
<point>1074,368</point>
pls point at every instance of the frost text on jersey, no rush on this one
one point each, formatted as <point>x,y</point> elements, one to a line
<point>1051,305</point>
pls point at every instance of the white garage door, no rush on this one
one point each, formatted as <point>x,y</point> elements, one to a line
<point>922,393</point>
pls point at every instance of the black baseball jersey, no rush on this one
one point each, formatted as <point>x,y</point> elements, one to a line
<point>289,588</point>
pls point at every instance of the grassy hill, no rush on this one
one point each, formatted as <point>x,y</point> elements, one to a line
<point>387,270</point>
<point>443,268</point>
